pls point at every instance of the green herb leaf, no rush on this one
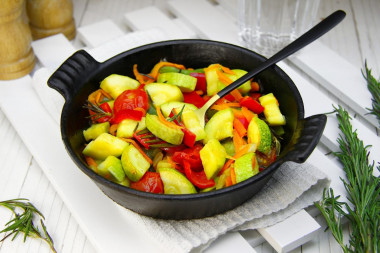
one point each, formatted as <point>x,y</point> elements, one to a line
<point>374,87</point>
<point>363,191</point>
<point>24,222</point>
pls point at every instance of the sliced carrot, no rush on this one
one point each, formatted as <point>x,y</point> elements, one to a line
<point>239,127</point>
<point>228,181</point>
<point>227,70</point>
<point>137,74</point>
<point>247,113</point>
<point>236,94</point>
<point>238,141</point>
<point>156,68</point>
<point>138,148</point>
<point>91,163</point>
<point>164,121</point>
<point>237,113</point>
<point>224,106</point>
<point>223,78</point>
<point>233,176</point>
<point>113,129</point>
<point>170,160</point>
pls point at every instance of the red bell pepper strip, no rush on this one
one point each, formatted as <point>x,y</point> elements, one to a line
<point>193,98</point>
<point>189,137</point>
<point>244,121</point>
<point>150,182</point>
<point>199,179</point>
<point>255,96</point>
<point>126,114</point>
<point>251,104</point>
<point>172,150</point>
<point>201,81</point>
<point>190,155</point>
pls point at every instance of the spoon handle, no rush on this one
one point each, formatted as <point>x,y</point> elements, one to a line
<point>314,33</point>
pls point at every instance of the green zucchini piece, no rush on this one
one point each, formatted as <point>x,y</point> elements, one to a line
<point>161,93</point>
<point>213,156</point>
<point>259,133</point>
<point>155,126</point>
<point>95,130</point>
<point>175,182</point>
<point>112,165</point>
<point>186,83</point>
<point>220,126</point>
<point>115,84</point>
<point>126,128</point>
<point>134,163</point>
<point>169,106</point>
<point>105,145</point>
<point>245,87</point>
<point>244,167</point>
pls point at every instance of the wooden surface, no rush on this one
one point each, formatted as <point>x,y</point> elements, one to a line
<point>355,40</point>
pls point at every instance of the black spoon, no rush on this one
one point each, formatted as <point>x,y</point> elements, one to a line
<point>314,33</point>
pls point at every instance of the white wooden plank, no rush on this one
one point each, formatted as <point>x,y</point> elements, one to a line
<point>140,20</point>
<point>206,20</point>
<point>53,50</point>
<point>98,33</point>
<point>62,172</point>
<point>253,237</point>
<point>126,42</point>
<point>230,242</point>
<point>292,232</point>
<point>315,101</point>
<point>337,75</point>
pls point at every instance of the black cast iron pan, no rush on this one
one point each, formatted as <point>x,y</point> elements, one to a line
<point>80,75</point>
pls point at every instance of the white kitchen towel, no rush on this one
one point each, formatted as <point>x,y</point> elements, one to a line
<point>292,188</point>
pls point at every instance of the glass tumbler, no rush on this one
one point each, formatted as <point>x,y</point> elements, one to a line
<point>266,26</point>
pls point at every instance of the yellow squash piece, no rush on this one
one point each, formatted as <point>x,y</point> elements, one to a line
<point>115,84</point>
<point>105,145</point>
<point>213,155</point>
<point>272,111</point>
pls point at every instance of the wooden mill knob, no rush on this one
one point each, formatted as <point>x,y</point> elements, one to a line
<point>16,54</point>
<point>48,17</point>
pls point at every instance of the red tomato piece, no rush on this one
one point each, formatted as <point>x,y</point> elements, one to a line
<point>131,99</point>
<point>193,98</point>
<point>199,179</point>
<point>150,182</point>
<point>251,104</point>
<point>126,114</point>
<point>201,81</point>
<point>255,96</point>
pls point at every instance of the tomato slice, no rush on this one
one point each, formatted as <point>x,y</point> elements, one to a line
<point>131,99</point>
<point>150,182</point>
<point>126,114</point>
<point>199,179</point>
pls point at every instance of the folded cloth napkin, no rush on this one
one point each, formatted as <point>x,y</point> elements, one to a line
<point>292,188</point>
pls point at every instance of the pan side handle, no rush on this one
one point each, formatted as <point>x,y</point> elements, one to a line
<point>306,137</point>
<point>68,77</point>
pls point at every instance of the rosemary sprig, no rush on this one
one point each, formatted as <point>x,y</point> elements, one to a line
<point>363,191</point>
<point>374,87</point>
<point>178,116</point>
<point>98,111</point>
<point>24,222</point>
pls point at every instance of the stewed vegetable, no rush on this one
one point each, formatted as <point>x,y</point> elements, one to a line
<point>144,133</point>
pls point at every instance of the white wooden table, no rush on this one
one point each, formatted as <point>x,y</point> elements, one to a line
<point>326,73</point>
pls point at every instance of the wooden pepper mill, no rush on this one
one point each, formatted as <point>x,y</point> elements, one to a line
<point>16,54</point>
<point>48,17</point>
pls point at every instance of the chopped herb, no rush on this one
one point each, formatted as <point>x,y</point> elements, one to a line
<point>24,222</point>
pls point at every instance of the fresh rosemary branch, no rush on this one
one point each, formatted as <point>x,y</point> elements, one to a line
<point>178,116</point>
<point>363,191</point>
<point>24,222</point>
<point>374,87</point>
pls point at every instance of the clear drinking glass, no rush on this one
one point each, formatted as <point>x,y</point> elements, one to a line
<point>266,26</point>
